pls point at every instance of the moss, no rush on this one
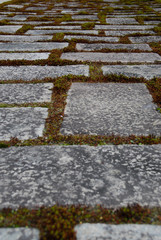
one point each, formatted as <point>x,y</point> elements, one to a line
<point>58,37</point>
<point>88,25</point>
<point>24,29</point>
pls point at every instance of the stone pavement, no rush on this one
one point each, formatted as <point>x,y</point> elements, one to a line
<point>42,45</point>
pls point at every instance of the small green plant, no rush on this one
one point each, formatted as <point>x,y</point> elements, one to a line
<point>88,25</point>
<point>24,29</point>
<point>58,37</point>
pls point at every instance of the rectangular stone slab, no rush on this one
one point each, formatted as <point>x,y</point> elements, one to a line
<point>22,123</point>
<point>58,27</point>
<point>112,57</point>
<point>19,234</point>
<point>99,46</point>
<point>32,46</point>
<point>114,232</point>
<point>89,17</point>
<point>127,32</point>
<point>146,71</point>
<point>10,28</point>
<point>25,93</point>
<point>21,38</point>
<point>123,27</point>
<point>110,175</point>
<point>110,108</point>
<point>145,39</point>
<point>50,32</point>
<point>92,38</point>
<point>121,21</point>
<point>28,73</point>
<point>24,56</point>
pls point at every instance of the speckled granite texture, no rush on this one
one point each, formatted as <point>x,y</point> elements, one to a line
<point>110,108</point>
<point>117,232</point>
<point>113,176</point>
<point>22,55</point>
<point>19,234</point>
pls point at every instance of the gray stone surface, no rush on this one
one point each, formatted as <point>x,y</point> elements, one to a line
<point>19,234</point>
<point>22,123</point>
<point>20,38</point>
<point>89,17</point>
<point>92,38</point>
<point>29,73</point>
<point>25,93</point>
<point>25,56</point>
<point>121,21</point>
<point>110,108</point>
<point>32,46</point>
<point>99,46</point>
<point>145,39</point>
<point>9,28</point>
<point>124,33</point>
<point>112,57</point>
<point>59,27</point>
<point>123,27</point>
<point>117,232</point>
<point>50,32</point>
<point>146,71</point>
<point>110,175</point>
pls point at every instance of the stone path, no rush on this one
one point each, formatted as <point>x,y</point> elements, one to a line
<point>41,47</point>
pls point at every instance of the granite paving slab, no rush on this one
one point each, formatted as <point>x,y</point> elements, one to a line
<point>92,38</point>
<point>117,232</point>
<point>22,123</point>
<point>50,32</point>
<point>121,21</point>
<point>10,28</point>
<point>90,17</point>
<point>58,27</point>
<point>46,175</point>
<point>19,234</point>
<point>28,73</point>
<point>46,46</point>
<point>123,27</point>
<point>127,32</point>
<point>25,93</point>
<point>21,38</point>
<point>145,39</point>
<point>146,71</point>
<point>110,108</point>
<point>112,57</point>
<point>99,46</point>
<point>24,56</point>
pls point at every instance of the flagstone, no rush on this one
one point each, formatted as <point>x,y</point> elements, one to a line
<point>19,234</point>
<point>51,32</point>
<point>146,71</point>
<point>25,93</point>
<point>145,39</point>
<point>79,174</point>
<point>99,46</point>
<point>22,38</point>
<point>32,46</point>
<point>22,123</point>
<point>112,57</point>
<point>92,38</point>
<point>9,28</point>
<point>102,231</point>
<point>28,73</point>
<point>24,56</point>
<point>110,108</point>
<point>118,27</point>
<point>58,27</point>
<point>90,17</point>
<point>127,32</point>
<point>121,21</point>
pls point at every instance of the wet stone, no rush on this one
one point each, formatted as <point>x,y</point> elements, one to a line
<point>112,57</point>
<point>97,46</point>
<point>80,175</point>
<point>10,28</point>
<point>28,73</point>
<point>123,27</point>
<point>146,71</point>
<point>23,56</point>
<point>92,38</point>
<point>110,108</point>
<point>145,39</point>
<point>19,234</point>
<point>114,232</point>
<point>22,123</point>
<point>32,46</point>
<point>50,32</point>
<point>20,38</point>
<point>121,21</point>
<point>25,93</point>
<point>127,32</point>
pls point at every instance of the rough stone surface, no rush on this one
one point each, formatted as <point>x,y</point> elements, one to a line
<point>124,33</point>
<point>29,73</point>
<point>123,27</point>
<point>146,71</point>
<point>112,57</point>
<point>80,175</point>
<point>9,28</point>
<point>22,123</point>
<point>25,93</point>
<point>25,56</point>
<point>58,27</point>
<point>110,108</point>
<point>19,234</point>
<point>92,38</point>
<point>50,32</point>
<point>89,17</point>
<point>121,21</point>
<point>32,46</point>
<point>20,38</point>
<point>145,39</point>
<point>114,232</point>
<point>99,46</point>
